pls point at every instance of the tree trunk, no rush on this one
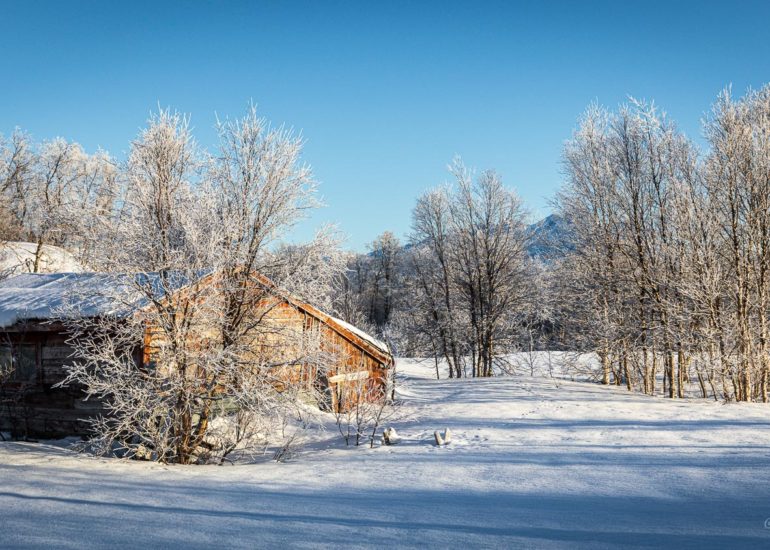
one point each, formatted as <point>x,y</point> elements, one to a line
<point>605,368</point>
<point>681,366</point>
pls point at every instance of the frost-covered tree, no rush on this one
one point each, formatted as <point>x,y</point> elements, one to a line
<point>671,247</point>
<point>54,193</point>
<point>625,171</point>
<point>373,282</point>
<point>16,161</point>
<point>202,236</point>
<point>469,256</point>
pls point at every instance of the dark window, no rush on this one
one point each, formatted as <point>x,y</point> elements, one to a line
<point>20,361</point>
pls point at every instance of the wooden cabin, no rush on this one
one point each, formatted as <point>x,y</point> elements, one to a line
<point>34,352</point>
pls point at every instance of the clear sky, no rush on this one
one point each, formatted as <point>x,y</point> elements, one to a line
<point>385,93</point>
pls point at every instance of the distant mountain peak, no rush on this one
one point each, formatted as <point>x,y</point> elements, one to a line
<point>549,237</point>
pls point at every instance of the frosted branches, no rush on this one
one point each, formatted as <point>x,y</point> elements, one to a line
<point>207,365</point>
<point>670,256</point>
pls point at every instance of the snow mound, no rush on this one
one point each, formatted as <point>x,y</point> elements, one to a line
<point>19,257</point>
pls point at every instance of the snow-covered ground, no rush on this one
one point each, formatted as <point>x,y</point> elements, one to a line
<point>534,462</point>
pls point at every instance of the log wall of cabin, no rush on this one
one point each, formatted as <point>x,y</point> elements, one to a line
<point>37,408</point>
<point>343,386</point>
<point>351,359</point>
<point>279,341</point>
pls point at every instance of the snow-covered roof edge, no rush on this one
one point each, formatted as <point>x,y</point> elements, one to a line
<point>341,326</point>
<point>366,336</point>
<point>59,296</point>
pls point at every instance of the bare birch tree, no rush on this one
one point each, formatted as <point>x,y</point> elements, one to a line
<point>471,266</point>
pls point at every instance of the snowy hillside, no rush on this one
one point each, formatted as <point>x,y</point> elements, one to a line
<point>534,462</point>
<point>19,257</point>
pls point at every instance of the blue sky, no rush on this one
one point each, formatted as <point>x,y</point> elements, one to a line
<point>385,93</point>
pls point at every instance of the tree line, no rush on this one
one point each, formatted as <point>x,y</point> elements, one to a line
<point>672,246</point>
<point>662,269</point>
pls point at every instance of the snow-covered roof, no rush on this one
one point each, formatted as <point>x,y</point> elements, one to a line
<point>19,257</point>
<point>40,296</point>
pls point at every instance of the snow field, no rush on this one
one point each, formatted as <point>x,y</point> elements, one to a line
<point>534,462</point>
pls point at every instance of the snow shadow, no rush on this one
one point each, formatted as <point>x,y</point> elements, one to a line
<point>130,513</point>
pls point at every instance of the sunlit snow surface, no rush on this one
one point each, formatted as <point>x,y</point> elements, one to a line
<point>534,462</point>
